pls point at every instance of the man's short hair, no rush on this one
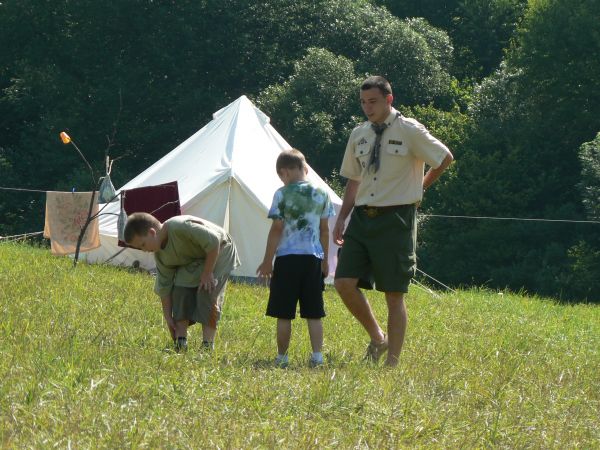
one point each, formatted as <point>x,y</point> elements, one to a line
<point>290,159</point>
<point>378,82</point>
<point>138,224</point>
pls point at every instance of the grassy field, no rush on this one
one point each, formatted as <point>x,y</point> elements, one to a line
<point>83,365</point>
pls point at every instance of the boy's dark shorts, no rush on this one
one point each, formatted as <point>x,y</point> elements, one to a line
<point>383,246</point>
<point>296,278</point>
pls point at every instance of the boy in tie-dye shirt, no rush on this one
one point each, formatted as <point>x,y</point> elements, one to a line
<point>299,241</point>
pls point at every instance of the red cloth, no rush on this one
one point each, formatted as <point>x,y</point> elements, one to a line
<point>162,201</point>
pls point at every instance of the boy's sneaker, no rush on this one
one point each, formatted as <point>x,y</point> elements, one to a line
<point>376,350</point>
<point>314,363</point>
<point>181,345</point>
<point>281,362</point>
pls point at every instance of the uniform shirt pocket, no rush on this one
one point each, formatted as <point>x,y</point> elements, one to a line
<point>396,148</point>
<point>362,152</point>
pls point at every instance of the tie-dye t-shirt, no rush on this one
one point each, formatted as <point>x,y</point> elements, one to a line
<point>301,206</point>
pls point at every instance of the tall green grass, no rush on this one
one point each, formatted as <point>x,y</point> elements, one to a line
<point>83,364</point>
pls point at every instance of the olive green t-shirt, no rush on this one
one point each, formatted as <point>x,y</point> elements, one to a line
<point>181,261</point>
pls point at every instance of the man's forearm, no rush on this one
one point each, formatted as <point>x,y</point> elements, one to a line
<point>434,174</point>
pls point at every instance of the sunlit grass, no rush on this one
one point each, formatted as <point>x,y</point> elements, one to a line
<point>84,364</point>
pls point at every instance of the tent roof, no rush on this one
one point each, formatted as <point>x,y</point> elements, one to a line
<point>239,142</point>
<point>226,174</point>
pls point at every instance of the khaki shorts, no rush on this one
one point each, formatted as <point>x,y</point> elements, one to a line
<point>383,245</point>
<point>199,306</point>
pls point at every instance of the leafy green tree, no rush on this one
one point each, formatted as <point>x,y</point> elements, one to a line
<point>584,259</point>
<point>589,155</point>
<point>413,55</point>
<point>521,160</point>
<point>133,77</point>
<point>480,30</point>
<point>559,81</point>
<point>317,105</point>
<point>316,108</point>
<point>136,78</point>
<point>584,256</point>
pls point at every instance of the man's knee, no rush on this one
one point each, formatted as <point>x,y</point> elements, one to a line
<point>394,300</point>
<point>345,285</point>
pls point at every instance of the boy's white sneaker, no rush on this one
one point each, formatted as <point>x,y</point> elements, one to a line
<point>281,362</point>
<point>314,363</point>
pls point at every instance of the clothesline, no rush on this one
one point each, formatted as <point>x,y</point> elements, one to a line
<point>522,219</point>
<point>18,236</point>
<point>445,216</point>
<point>436,280</point>
<point>4,188</point>
<point>21,189</point>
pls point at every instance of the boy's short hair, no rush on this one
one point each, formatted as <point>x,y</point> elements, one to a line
<point>378,82</point>
<point>138,224</point>
<point>290,159</point>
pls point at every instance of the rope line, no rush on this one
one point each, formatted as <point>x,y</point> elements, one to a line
<point>164,205</point>
<point>17,236</point>
<point>425,288</point>
<point>437,281</point>
<point>115,255</point>
<point>21,189</point>
<point>5,188</point>
<point>510,218</point>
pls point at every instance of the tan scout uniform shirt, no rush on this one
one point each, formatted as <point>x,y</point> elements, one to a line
<point>181,262</point>
<point>406,146</point>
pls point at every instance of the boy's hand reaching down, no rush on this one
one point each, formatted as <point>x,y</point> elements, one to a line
<point>265,270</point>
<point>207,281</point>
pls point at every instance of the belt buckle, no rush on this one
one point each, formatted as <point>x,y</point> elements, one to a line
<point>371,212</point>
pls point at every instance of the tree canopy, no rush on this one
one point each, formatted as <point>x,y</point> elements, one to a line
<point>511,86</point>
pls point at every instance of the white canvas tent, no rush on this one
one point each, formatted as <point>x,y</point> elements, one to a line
<point>226,174</point>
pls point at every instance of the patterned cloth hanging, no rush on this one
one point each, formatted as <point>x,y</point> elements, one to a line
<point>66,215</point>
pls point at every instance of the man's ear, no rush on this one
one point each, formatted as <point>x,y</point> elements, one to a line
<point>389,99</point>
<point>152,231</point>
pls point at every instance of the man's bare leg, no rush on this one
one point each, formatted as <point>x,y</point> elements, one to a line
<point>397,323</point>
<point>360,308</point>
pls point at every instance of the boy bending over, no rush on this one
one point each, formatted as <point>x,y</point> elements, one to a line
<point>194,258</point>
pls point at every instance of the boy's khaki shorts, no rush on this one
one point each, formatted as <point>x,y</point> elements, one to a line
<point>199,306</point>
<point>383,245</point>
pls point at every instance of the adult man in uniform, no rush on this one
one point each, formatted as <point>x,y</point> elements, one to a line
<point>384,163</point>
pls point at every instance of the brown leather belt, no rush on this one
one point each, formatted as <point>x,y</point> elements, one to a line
<point>375,211</point>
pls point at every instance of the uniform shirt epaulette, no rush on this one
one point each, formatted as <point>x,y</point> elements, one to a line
<point>362,125</point>
<point>411,123</point>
